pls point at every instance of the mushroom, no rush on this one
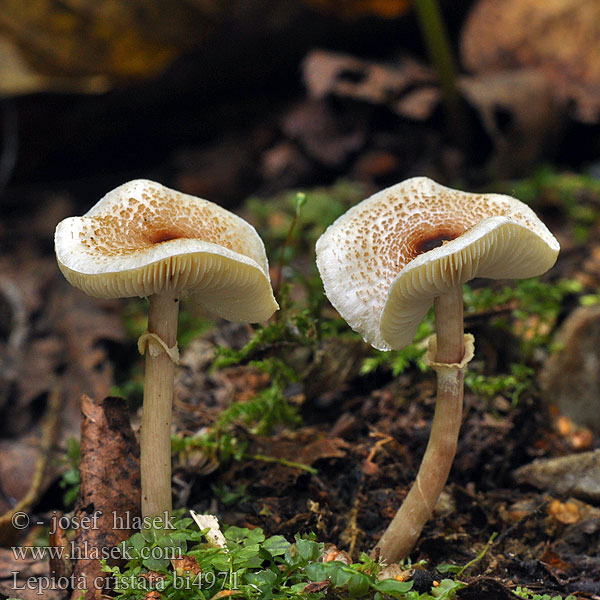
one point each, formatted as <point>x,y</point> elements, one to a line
<point>385,261</point>
<point>143,239</point>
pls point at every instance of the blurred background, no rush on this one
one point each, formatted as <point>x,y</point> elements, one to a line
<point>228,98</point>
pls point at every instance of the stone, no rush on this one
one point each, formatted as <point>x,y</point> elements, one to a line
<point>575,475</point>
<point>570,378</point>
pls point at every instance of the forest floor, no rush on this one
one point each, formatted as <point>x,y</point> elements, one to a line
<point>297,426</point>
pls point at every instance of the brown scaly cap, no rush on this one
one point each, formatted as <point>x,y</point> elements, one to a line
<point>386,259</point>
<point>143,239</point>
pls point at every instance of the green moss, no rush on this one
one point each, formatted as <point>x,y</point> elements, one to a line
<point>576,196</point>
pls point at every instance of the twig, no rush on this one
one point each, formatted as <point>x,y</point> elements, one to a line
<point>352,529</point>
<point>438,47</point>
<point>278,271</point>
<point>281,461</point>
<point>479,556</point>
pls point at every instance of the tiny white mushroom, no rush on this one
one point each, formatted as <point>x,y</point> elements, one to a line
<point>143,239</point>
<point>388,259</point>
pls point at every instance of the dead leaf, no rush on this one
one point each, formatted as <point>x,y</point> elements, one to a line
<point>519,112</point>
<point>17,465</point>
<point>316,587</point>
<point>418,104</point>
<point>83,324</point>
<point>564,512</point>
<point>91,45</point>
<point>554,563</point>
<point>109,496</point>
<point>185,565</point>
<point>332,73</point>
<point>20,78</point>
<point>560,37</point>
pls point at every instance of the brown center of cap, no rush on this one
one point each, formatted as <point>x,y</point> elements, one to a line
<point>434,239</point>
<point>165,235</point>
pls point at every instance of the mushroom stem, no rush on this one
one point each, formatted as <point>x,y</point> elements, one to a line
<point>155,438</point>
<point>449,326</point>
<point>402,533</point>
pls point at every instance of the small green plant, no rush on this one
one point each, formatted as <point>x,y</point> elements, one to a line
<point>458,570</point>
<point>70,480</point>
<point>399,360</point>
<point>357,579</point>
<point>532,307</point>
<point>523,592</point>
<point>511,386</point>
<point>576,195</point>
<point>231,497</point>
<point>185,564</point>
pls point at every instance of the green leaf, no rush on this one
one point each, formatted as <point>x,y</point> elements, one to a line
<point>339,574</point>
<point>155,562</point>
<point>316,571</point>
<point>309,549</point>
<point>358,585</point>
<point>137,541</point>
<point>391,587</point>
<point>276,545</point>
<point>448,568</point>
<point>236,534</point>
<point>262,579</point>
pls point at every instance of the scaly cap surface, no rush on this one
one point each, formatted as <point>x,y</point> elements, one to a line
<point>382,263</point>
<point>143,239</point>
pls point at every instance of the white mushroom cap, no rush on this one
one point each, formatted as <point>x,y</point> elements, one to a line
<point>382,263</point>
<point>143,239</point>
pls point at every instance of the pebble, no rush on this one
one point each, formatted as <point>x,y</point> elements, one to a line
<point>573,475</point>
<point>570,378</point>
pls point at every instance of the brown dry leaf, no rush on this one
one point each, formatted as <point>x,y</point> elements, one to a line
<point>519,113</point>
<point>554,563</point>
<point>110,486</point>
<point>18,459</point>
<point>305,446</point>
<point>85,45</point>
<point>83,324</point>
<point>331,73</point>
<point>564,512</point>
<point>354,9</point>
<point>316,587</point>
<point>186,564</point>
<point>560,37</point>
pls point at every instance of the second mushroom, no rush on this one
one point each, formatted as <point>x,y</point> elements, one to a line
<point>143,239</point>
<point>388,259</point>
